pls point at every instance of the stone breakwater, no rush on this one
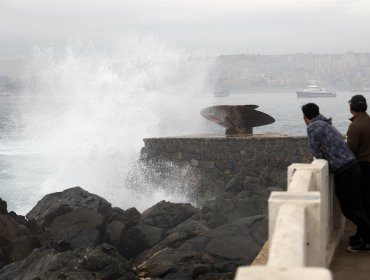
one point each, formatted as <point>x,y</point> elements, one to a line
<point>75,234</point>
<point>217,162</point>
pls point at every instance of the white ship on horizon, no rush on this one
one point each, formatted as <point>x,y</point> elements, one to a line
<point>314,91</point>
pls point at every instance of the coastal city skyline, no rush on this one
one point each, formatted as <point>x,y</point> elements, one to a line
<point>255,72</point>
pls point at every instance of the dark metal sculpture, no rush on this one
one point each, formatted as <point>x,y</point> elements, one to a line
<point>238,119</point>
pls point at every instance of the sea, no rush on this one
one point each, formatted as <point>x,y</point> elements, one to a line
<point>81,118</point>
<point>32,166</point>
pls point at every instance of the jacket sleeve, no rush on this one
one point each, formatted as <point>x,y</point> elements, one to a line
<point>314,141</point>
<point>353,138</point>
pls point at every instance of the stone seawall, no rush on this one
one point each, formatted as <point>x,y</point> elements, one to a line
<point>222,162</point>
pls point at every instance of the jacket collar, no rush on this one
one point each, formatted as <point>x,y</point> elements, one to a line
<point>357,115</point>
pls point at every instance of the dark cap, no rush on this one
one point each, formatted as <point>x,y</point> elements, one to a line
<point>357,100</point>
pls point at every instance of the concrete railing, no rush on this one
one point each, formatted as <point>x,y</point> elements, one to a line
<point>305,226</point>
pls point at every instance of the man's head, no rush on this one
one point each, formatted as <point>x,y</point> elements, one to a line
<point>358,104</point>
<point>310,110</point>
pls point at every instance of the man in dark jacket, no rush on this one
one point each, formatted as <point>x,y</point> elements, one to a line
<point>358,139</point>
<point>327,143</point>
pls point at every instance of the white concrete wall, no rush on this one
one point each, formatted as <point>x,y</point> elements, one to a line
<point>305,225</point>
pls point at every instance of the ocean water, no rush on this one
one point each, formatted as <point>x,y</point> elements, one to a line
<point>83,115</point>
<point>31,167</point>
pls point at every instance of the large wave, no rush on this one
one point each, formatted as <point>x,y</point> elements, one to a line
<point>86,111</point>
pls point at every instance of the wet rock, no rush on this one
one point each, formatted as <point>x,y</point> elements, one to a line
<point>164,262</point>
<point>254,185</point>
<point>60,203</point>
<point>175,238</point>
<point>17,240</point>
<point>3,207</point>
<point>78,228</point>
<point>132,242</point>
<point>229,208</point>
<point>114,230</point>
<point>152,234</point>
<point>233,241</point>
<point>167,215</point>
<point>235,185</point>
<point>210,253</point>
<point>199,269</point>
<point>124,231</point>
<point>103,262</point>
<point>130,217</point>
<point>167,241</point>
<point>119,221</point>
<point>75,218</point>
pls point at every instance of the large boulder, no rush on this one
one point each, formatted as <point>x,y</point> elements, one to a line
<point>123,232</point>
<point>241,239</point>
<point>167,215</point>
<point>102,262</point>
<point>154,225</point>
<point>60,203</point>
<point>77,228</point>
<point>132,239</point>
<point>211,254</point>
<point>119,221</point>
<point>229,208</point>
<point>18,237</point>
<point>132,242</point>
<point>175,238</point>
<point>74,217</point>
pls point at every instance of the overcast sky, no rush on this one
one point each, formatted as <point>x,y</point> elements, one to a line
<point>217,26</point>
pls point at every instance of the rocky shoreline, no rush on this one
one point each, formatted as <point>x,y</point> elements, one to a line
<point>75,234</point>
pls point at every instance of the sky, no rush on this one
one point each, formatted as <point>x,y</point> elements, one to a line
<point>207,26</point>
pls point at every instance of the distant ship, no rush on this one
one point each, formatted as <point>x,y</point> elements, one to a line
<point>314,91</point>
<point>221,93</point>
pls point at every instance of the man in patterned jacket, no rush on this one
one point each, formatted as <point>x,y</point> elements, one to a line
<point>327,143</point>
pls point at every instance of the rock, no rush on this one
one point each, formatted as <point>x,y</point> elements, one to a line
<point>103,262</point>
<point>226,209</point>
<point>60,203</point>
<point>130,217</point>
<point>199,269</point>
<point>132,242</point>
<point>121,220</point>
<point>113,231</point>
<point>210,254</point>
<point>251,184</point>
<point>18,218</point>
<point>235,184</point>
<point>163,262</point>
<point>152,234</point>
<point>75,218</point>
<point>124,232</point>
<point>78,228</point>
<point>167,241</point>
<point>17,240</point>
<point>232,241</point>
<point>3,207</point>
<point>167,215</point>
<point>24,246</point>
<point>186,230</point>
